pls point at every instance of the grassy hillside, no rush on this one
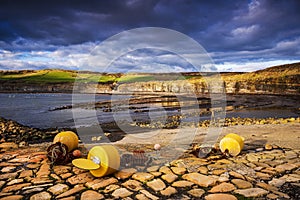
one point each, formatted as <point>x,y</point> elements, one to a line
<point>283,73</point>
<point>65,76</point>
<point>55,76</point>
<point>280,73</point>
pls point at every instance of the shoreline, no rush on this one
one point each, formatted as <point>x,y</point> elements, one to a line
<point>149,93</point>
<point>267,129</point>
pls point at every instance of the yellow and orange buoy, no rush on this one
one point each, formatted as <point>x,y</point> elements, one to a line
<point>232,144</point>
<point>101,161</point>
<point>68,138</point>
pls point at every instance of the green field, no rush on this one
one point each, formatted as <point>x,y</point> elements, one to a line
<point>283,73</point>
<point>64,76</point>
<point>55,76</point>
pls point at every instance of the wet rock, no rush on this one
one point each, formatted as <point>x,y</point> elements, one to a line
<point>142,176</point>
<point>58,189</point>
<point>241,184</point>
<point>66,175</point>
<point>8,145</point>
<point>178,170</point>
<point>236,175</point>
<point>41,196</point>
<point>55,177</point>
<point>111,188</point>
<point>218,172</point>
<point>252,192</point>
<point>277,182</point>
<point>121,193</point>
<point>101,183</point>
<point>272,196</point>
<point>76,189</point>
<point>91,195</point>
<point>26,173</point>
<point>33,166</point>
<point>223,187</point>
<point>252,158</point>
<point>156,174</point>
<point>141,197</point>
<point>40,180</point>
<point>44,170</point>
<point>15,181</point>
<point>291,177</point>
<point>220,196</point>
<point>133,185</point>
<point>285,167</point>
<point>196,192</point>
<point>223,178</point>
<point>168,191</point>
<point>153,168</point>
<point>12,197</point>
<point>169,177</point>
<point>263,176</point>
<point>266,186</point>
<point>15,187</point>
<point>156,185</point>
<point>60,169</point>
<point>166,170</point>
<point>79,171</point>
<point>290,155</point>
<point>125,173</point>
<point>199,179</point>
<point>80,178</point>
<point>33,190</point>
<point>8,169</point>
<point>182,184</point>
<point>203,170</point>
<point>270,171</point>
<point>149,195</point>
<point>281,194</point>
<point>2,183</point>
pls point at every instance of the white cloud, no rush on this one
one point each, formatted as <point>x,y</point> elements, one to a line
<point>245,31</point>
<point>251,65</point>
<point>148,58</point>
<point>288,44</point>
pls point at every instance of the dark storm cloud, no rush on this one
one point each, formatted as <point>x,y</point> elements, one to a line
<point>218,25</point>
<point>69,22</point>
<point>231,31</point>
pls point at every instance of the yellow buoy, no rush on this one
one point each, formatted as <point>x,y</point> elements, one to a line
<point>85,164</point>
<point>232,144</point>
<point>101,161</point>
<point>68,138</point>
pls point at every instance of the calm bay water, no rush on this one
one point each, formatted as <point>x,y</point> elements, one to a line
<point>34,110</point>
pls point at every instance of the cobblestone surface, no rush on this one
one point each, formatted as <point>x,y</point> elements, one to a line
<point>26,173</point>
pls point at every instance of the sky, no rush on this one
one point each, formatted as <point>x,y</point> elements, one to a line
<point>236,35</point>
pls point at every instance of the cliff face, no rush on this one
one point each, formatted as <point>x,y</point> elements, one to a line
<point>179,86</point>
<point>283,79</point>
<point>231,87</point>
<point>17,87</point>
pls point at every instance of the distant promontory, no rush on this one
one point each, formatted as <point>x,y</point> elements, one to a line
<point>283,80</point>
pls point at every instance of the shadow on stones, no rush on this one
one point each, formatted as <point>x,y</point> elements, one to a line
<point>253,145</point>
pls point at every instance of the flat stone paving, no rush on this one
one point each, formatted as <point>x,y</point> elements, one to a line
<point>26,173</point>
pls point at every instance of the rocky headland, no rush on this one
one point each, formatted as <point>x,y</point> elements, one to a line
<point>283,80</point>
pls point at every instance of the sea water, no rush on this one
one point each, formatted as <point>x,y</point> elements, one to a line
<point>38,110</point>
